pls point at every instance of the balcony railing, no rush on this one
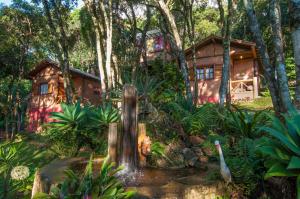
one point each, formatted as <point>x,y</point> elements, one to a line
<point>244,89</point>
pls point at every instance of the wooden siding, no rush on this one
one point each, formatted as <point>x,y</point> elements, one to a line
<point>40,106</point>
<point>242,68</point>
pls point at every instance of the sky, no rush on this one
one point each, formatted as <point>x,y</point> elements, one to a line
<point>5,2</point>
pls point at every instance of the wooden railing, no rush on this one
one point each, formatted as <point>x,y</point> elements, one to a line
<point>244,89</point>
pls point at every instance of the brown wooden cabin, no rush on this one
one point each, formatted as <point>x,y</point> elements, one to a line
<point>244,70</point>
<point>48,91</point>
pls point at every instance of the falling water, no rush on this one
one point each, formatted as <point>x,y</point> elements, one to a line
<point>129,138</point>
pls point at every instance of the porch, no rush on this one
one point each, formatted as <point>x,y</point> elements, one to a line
<point>244,90</point>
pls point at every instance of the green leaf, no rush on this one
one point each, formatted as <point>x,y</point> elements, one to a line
<point>279,170</point>
<point>283,139</point>
<point>294,163</point>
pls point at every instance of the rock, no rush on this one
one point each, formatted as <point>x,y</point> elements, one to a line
<point>191,158</point>
<point>203,159</point>
<point>196,140</point>
<point>207,151</point>
<point>188,154</point>
<point>198,151</point>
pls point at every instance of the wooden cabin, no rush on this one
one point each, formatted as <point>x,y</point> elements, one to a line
<point>48,91</point>
<point>244,69</point>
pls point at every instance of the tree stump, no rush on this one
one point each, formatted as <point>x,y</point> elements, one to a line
<point>113,141</point>
<point>142,137</point>
<point>41,184</point>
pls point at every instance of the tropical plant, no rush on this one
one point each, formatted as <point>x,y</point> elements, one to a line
<point>244,123</point>
<point>17,165</point>
<point>282,150</point>
<point>195,120</point>
<point>104,185</point>
<point>78,126</point>
<point>246,166</point>
<point>104,115</point>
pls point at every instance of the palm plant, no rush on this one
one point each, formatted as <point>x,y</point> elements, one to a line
<point>104,115</point>
<point>283,152</point>
<point>104,185</point>
<point>244,123</point>
<point>77,126</point>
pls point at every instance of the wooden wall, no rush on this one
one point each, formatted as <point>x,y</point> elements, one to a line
<point>211,54</point>
<point>40,106</point>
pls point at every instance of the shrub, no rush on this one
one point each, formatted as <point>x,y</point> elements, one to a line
<point>78,126</point>
<point>282,150</point>
<point>243,123</point>
<point>17,167</point>
<point>104,185</point>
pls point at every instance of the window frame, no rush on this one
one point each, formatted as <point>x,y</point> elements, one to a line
<point>211,74</point>
<point>40,88</point>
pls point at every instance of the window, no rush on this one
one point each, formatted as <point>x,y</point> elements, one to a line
<point>200,73</point>
<point>209,73</point>
<point>44,88</point>
<point>205,73</point>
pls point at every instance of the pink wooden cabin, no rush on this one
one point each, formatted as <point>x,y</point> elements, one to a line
<point>244,70</point>
<point>48,91</point>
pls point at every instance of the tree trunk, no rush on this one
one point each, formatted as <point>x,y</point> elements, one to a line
<point>100,59</point>
<point>99,41</point>
<point>280,61</point>
<point>108,30</point>
<point>222,16</point>
<point>269,72</point>
<point>294,9</point>
<point>226,56</point>
<point>180,50</point>
<point>191,33</point>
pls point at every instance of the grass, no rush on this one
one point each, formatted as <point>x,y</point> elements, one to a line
<point>257,104</point>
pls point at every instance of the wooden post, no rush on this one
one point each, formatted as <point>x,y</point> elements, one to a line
<point>142,136</point>
<point>255,87</point>
<point>129,153</point>
<point>41,184</point>
<point>113,141</point>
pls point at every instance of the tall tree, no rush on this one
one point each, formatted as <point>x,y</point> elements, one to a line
<point>279,54</point>
<point>269,71</point>
<point>107,14</point>
<point>190,26</point>
<point>56,13</point>
<point>99,29</point>
<point>294,9</point>
<point>226,31</point>
<point>179,47</point>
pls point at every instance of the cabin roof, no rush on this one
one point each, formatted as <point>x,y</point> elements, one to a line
<point>45,63</point>
<point>217,39</point>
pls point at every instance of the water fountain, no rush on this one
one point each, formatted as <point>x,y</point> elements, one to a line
<point>129,135</point>
<point>124,148</point>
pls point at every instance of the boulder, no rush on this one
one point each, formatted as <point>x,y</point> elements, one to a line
<point>196,140</point>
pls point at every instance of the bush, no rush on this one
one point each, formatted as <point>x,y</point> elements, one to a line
<point>78,126</point>
<point>104,185</point>
<point>243,123</point>
<point>18,163</point>
<point>282,150</point>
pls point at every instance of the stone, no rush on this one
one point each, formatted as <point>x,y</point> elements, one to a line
<point>188,154</point>
<point>203,159</point>
<point>196,140</point>
<point>198,151</point>
<point>207,151</point>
